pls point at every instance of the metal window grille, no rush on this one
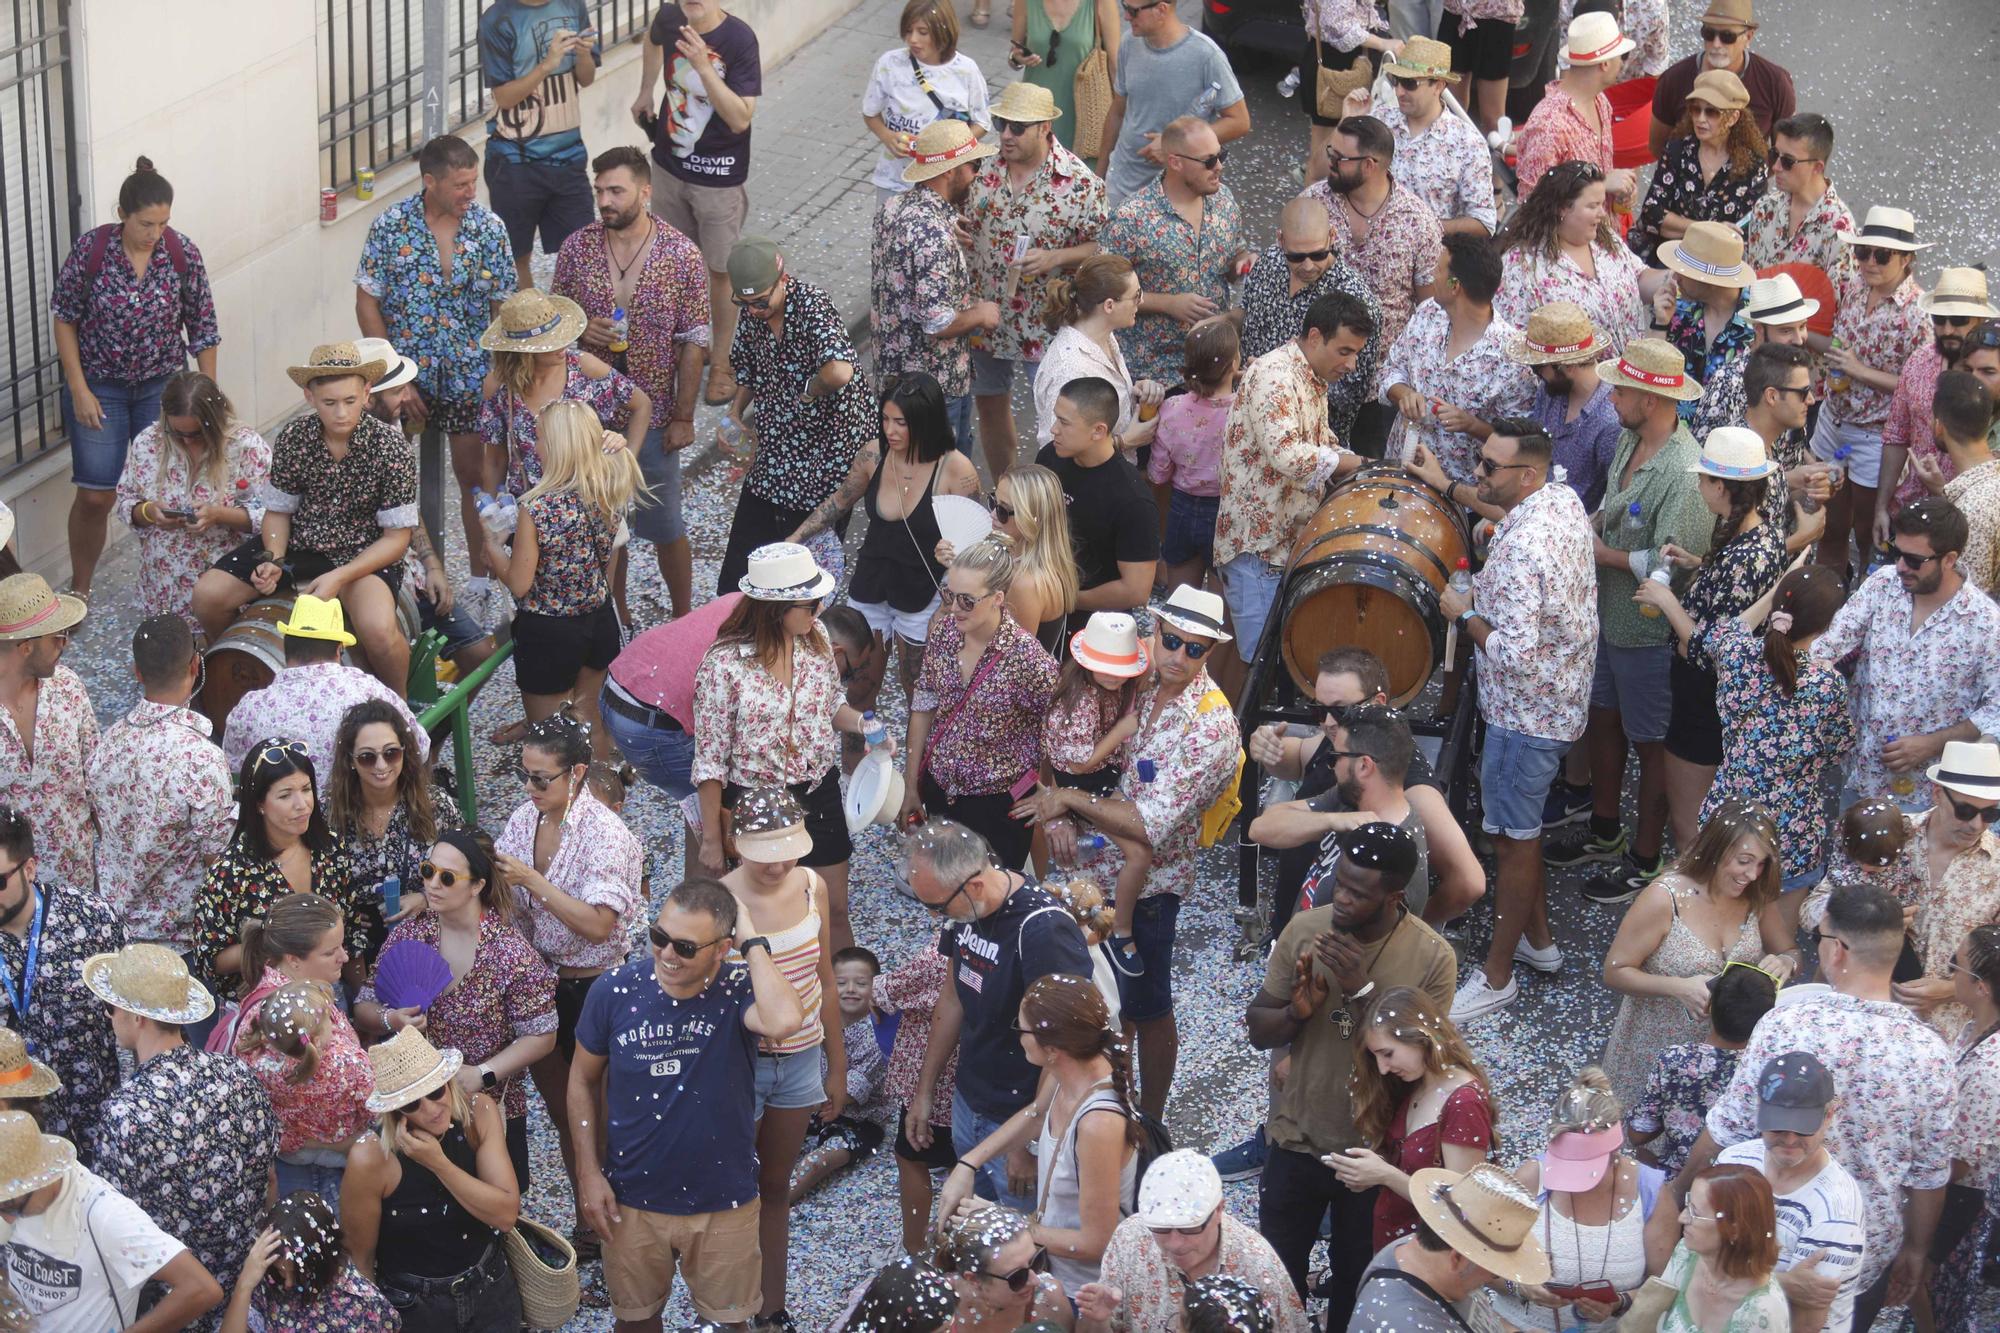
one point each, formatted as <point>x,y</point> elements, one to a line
<point>39,210</point>
<point>371,64</point>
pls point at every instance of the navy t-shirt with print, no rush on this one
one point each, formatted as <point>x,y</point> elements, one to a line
<point>547,125</point>
<point>694,143</point>
<point>993,962</point>
<point>680,1089</point>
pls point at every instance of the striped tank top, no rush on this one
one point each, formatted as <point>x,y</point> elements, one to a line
<point>796,952</point>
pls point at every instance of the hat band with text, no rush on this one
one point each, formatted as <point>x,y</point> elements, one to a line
<point>951,154</point>
<point>1632,372</point>
<point>549,326</point>
<point>1562,349</point>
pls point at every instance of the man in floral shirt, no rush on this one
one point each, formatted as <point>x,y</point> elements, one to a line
<point>1440,155</point>
<point>1532,619</point>
<point>1960,414</point>
<point>1303,266</point>
<point>1039,195</point>
<point>1957,305</point>
<point>1802,148</point>
<point>162,792</point>
<point>46,708</point>
<point>920,281</point>
<point>433,272</point>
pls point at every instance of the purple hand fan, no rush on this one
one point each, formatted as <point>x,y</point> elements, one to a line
<point>410,974</point>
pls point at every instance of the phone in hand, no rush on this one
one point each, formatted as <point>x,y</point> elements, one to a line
<point>650,123</point>
<point>1599,1290</point>
<point>185,515</point>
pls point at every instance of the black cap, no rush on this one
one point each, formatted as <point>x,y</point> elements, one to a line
<point>1381,846</point>
<point>1793,1092</point>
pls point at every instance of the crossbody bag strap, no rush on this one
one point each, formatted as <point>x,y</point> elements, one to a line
<point>1424,1288</point>
<point>924,85</point>
<point>979,675</point>
<point>110,1283</point>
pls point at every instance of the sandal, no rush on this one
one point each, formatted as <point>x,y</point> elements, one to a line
<point>981,15</point>
<point>512,734</point>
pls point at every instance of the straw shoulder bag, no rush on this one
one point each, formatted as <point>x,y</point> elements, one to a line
<point>1093,99</point>
<point>544,1264</point>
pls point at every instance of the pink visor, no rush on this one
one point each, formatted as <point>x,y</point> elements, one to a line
<point>1577,1160</point>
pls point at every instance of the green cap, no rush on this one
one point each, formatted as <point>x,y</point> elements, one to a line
<point>753,265</point>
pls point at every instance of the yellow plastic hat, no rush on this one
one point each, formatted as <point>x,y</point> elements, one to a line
<point>316,618</point>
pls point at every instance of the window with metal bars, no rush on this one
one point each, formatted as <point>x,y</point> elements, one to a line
<point>39,209</point>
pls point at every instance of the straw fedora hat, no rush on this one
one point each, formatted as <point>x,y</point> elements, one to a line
<point>408,1067</point>
<point>149,980</point>
<point>30,1159</point>
<point>1720,89</point>
<point>1970,768</point>
<point>1654,365</point>
<point>1559,333</point>
<point>1423,58</point>
<point>329,360</point>
<point>1890,228</point>
<point>1486,1216</point>
<point>1961,292</point>
<point>534,321</point>
<point>1710,252</point>
<point>316,618</point>
<point>22,1075</point>
<point>28,609</point>
<point>942,145</point>
<point>770,825</point>
<point>1778,300</point>
<point>785,572</point>
<point>1109,642</point>
<point>1025,101</point>
<point>1733,453</point>
<point>401,368</point>
<point>1194,611</point>
<point>1594,38</point>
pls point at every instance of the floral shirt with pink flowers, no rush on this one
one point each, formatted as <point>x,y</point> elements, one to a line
<point>53,789</point>
<point>1187,451</point>
<point>1447,165</point>
<point>752,730</point>
<point>1557,132</point>
<point>1768,237</point>
<point>1341,24</point>
<point>1975,1138</point>
<point>349,1304</point>
<point>1278,453</point>
<point>1883,338</point>
<point>1645,22</point>
<point>1062,207</point>
<point>597,862</point>
<point>166,806</point>
<point>1481,381</point>
<point>1153,1287</point>
<point>986,729</point>
<point>668,312</point>
<point>331,1106</point>
<point>911,989</point>
<point>1075,724</point>
<point>171,559</point>
<point>1530,279</point>
<point>1483,11</point>
<point>1909,421</point>
<point>1399,256</point>
<point>1538,595</point>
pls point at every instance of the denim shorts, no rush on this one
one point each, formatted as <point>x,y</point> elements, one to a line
<point>1190,533</point>
<point>1250,586</point>
<point>1151,995</point>
<point>460,630</point>
<point>97,457</point>
<point>909,626</point>
<point>1515,771</point>
<point>659,521</point>
<point>664,756</point>
<point>554,198</point>
<point>1635,682</point>
<point>789,1082</point>
<point>993,376</point>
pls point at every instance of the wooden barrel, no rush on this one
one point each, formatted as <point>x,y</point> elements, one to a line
<point>1367,572</point>
<point>249,654</point>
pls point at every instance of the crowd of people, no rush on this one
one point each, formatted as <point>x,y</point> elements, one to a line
<point>273,1005</point>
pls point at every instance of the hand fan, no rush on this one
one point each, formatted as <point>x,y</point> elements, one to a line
<point>410,974</point>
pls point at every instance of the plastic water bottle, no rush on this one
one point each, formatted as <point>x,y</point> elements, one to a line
<point>1632,526</point>
<point>1660,575</point>
<point>1461,578</point>
<point>487,506</point>
<point>621,331</point>
<point>872,731</point>
<point>1204,105</point>
<point>1289,85</point>
<point>506,513</point>
<point>1092,841</point>
<point>1839,475</point>
<point>731,431</point>
<point>1901,784</point>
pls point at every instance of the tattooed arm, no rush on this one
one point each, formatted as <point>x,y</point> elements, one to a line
<point>843,499</point>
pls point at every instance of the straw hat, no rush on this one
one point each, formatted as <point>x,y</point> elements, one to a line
<point>149,980</point>
<point>785,572</point>
<point>1594,38</point>
<point>534,321</point>
<point>22,1075</point>
<point>401,368</point>
<point>1486,1216</point>
<point>1970,768</point>
<point>30,1159</point>
<point>942,145</point>
<point>1025,101</point>
<point>1654,365</point>
<point>1577,1159</point>
<point>1193,611</point>
<point>1734,454</point>
<point>1710,252</point>
<point>770,825</point>
<point>1959,291</point>
<point>1109,642</point>
<point>1559,333</point>
<point>1728,14</point>
<point>408,1067</point>
<point>1890,228</point>
<point>1423,58</point>
<point>1777,300</point>
<point>329,360</point>
<point>1720,89</point>
<point>316,618</point>
<point>28,609</point>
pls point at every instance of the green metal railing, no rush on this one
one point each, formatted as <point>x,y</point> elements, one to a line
<point>453,705</point>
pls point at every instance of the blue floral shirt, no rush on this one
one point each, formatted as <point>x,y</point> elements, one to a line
<point>1170,257</point>
<point>433,319</point>
<point>1689,332</point>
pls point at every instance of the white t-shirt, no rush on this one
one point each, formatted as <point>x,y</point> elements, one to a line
<point>56,1260</point>
<point>1823,1214</point>
<point>894,95</point>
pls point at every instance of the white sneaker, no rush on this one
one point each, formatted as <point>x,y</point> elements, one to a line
<point>1548,960</point>
<point>1476,999</point>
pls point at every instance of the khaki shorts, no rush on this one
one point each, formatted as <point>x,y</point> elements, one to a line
<point>712,216</point>
<point>717,1253</point>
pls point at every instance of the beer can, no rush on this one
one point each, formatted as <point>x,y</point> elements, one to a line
<point>329,205</point>
<point>364,185</point>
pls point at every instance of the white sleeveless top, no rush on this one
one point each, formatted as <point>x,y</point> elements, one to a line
<point>1615,1253</point>
<point>1057,1186</point>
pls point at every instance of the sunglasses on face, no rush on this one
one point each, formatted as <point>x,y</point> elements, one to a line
<point>431,870</point>
<point>1727,36</point>
<point>1321,713</point>
<point>1954,321</point>
<point>1005,126</point>
<point>1018,1280</point>
<point>964,601</point>
<point>1406,82</point>
<point>761,301</point>
<point>1988,814</point>
<point>1335,155</point>
<point>188,436</point>
<point>1787,161</point>
<point>1910,559</point>
<point>685,948</point>
<point>388,757</point>
<point>1879,254</point>
<point>1820,937</point>
<point>1804,391</point>
<point>1209,163</point>
<point>1134,11</point>
<point>1486,467</point>
<point>1307,256</point>
<point>1002,513</point>
<point>539,781</point>
<point>435,1094</point>
<point>1195,1230</point>
<point>1174,643</point>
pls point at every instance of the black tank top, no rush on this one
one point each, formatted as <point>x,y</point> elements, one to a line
<point>425,1231</point>
<point>896,563</point>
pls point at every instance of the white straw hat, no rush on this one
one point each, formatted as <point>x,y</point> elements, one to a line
<point>1970,768</point>
<point>1734,454</point>
<point>1889,228</point>
<point>1778,300</point>
<point>1195,611</point>
<point>1594,38</point>
<point>1109,642</point>
<point>785,572</point>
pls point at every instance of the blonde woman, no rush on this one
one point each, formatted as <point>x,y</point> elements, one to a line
<point>191,489</point>
<point>565,631</point>
<point>1031,513</point>
<point>535,364</point>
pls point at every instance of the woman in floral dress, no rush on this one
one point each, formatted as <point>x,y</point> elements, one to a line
<point>192,487</point>
<point>1561,247</point>
<point>1713,168</point>
<point>536,363</point>
<point>378,798</point>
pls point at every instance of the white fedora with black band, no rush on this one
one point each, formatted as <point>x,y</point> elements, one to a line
<point>1194,611</point>
<point>1970,768</point>
<point>1778,300</point>
<point>1889,228</point>
<point>785,572</point>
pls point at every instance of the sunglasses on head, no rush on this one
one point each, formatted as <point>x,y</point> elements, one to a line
<point>1582,171</point>
<point>685,948</point>
<point>1880,254</point>
<point>1967,813</point>
<point>274,752</point>
<point>1018,1280</point>
<point>1209,163</point>
<point>1174,643</point>
<point>435,1094</point>
<point>388,755</point>
<point>1727,36</point>
<point>539,781</point>
<point>1986,335</point>
<point>1307,256</point>
<point>1787,161</point>
<point>431,870</point>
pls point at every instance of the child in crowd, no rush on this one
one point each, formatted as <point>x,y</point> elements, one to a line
<point>311,1065</point>
<point>608,782</point>
<point>1186,465</point>
<point>298,1279</point>
<point>1878,845</point>
<point>855,1134</point>
<point>1086,901</point>
<point>910,991</point>
<point>1092,717</point>
<point>1687,1078</point>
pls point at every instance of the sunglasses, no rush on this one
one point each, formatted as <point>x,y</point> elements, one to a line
<point>1820,937</point>
<point>275,751</point>
<point>1911,560</point>
<point>1954,321</point>
<point>435,1094</point>
<point>1174,643</point>
<point>1967,813</point>
<point>1002,513</point>
<point>431,870</point>
<point>1195,1230</point>
<point>761,302</point>
<point>1787,161</point>
<point>1005,126</point>
<point>1322,712</point>
<point>1577,171</point>
<point>388,756</point>
<point>685,948</point>
<point>909,890</point>
<point>1986,335</point>
<point>1335,155</point>
<point>539,781</point>
<point>1406,82</point>
<point>964,601</point>
<point>1804,391</point>
<point>1018,1280</point>
<point>1307,256</point>
<point>1134,11</point>
<point>188,436</point>
<point>1750,967</point>
<point>1486,467</point>
<point>1880,254</point>
<point>1727,36</point>
<point>1209,163</point>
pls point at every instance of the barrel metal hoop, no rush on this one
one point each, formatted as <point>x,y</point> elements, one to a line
<point>1379,530</point>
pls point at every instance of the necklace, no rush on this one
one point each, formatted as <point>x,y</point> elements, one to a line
<point>1340,1018</point>
<point>611,254</point>
<point>1347,201</point>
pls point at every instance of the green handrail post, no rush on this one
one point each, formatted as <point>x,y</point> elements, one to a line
<point>453,708</point>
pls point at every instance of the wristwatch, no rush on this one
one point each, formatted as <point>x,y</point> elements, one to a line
<point>1468,615</point>
<point>754,942</point>
<point>488,1080</point>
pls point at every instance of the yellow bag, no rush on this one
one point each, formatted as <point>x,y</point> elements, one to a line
<point>1228,803</point>
<point>1093,102</point>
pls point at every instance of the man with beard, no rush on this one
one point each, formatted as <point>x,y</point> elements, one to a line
<point>1956,306</point>
<point>1961,411</point>
<point>1727,28</point>
<point>919,277</point>
<point>1303,266</point>
<point>633,260</point>
<point>1776,384</point>
<point>1573,406</point>
<point>1440,156</point>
